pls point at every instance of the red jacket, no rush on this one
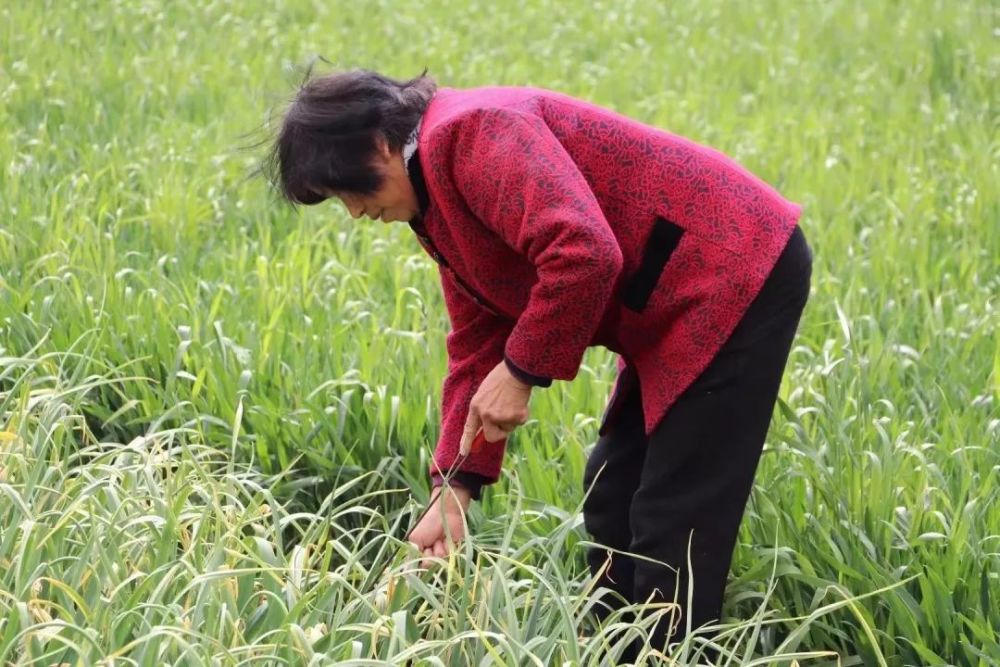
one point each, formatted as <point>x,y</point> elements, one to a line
<point>558,224</point>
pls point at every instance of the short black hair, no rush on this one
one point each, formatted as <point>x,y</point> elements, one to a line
<point>328,134</point>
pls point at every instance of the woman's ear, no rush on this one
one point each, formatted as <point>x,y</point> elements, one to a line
<point>383,147</point>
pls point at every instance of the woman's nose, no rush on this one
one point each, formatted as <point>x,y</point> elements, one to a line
<point>356,210</point>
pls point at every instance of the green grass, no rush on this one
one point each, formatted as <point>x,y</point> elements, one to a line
<point>216,414</point>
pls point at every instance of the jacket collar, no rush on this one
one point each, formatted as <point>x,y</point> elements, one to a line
<point>416,174</point>
<point>411,162</point>
<point>410,145</point>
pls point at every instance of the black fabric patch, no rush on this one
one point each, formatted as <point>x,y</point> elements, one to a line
<point>625,385</point>
<point>662,242</point>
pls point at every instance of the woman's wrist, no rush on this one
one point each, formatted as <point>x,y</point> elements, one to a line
<point>454,493</point>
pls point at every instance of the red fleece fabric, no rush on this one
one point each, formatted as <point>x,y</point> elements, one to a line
<point>542,208</point>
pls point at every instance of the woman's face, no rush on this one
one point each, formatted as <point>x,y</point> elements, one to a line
<point>396,201</point>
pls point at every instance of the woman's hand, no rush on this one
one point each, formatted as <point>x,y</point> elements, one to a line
<point>429,535</point>
<point>499,405</point>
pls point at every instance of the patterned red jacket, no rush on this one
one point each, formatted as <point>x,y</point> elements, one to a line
<point>558,224</point>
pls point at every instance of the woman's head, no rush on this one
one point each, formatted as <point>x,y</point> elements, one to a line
<point>342,136</point>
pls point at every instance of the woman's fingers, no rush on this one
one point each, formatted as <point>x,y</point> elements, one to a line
<point>472,425</point>
<point>437,550</point>
<point>496,431</point>
<point>440,550</point>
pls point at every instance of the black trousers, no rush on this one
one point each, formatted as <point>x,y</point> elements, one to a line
<point>691,478</point>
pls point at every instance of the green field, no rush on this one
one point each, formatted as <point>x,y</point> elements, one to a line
<point>216,413</point>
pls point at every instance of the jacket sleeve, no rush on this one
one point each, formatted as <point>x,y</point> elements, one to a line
<point>520,182</point>
<point>475,346</point>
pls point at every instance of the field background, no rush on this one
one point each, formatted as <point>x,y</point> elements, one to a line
<point>216,413</point>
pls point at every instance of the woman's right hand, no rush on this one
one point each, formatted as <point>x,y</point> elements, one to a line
<point>429,534</point>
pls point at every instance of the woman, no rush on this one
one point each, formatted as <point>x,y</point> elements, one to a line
<point>556,225</point>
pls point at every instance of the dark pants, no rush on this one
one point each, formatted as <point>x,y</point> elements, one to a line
<point>696,470</point>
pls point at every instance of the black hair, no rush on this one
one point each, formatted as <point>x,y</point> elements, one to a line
<point>328,134</point>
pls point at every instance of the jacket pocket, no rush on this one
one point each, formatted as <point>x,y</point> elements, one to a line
<point>465,289</point>
<point>661,243</point>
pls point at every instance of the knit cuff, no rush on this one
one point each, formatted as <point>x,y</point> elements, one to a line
<point>524,376</point>
<point>471,481</point>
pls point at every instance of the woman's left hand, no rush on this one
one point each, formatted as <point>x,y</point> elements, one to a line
<point>499,406</point>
